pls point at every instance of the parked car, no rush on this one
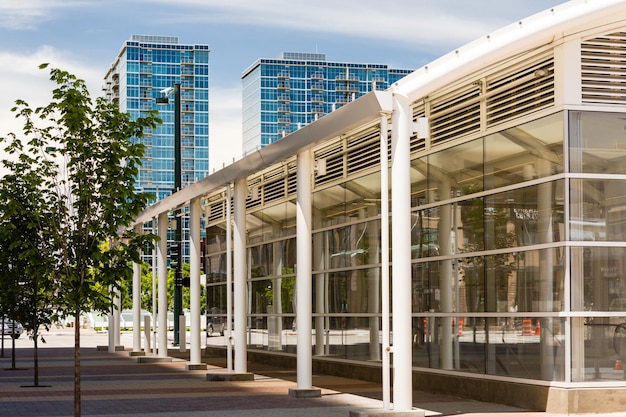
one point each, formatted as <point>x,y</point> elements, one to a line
<point>12,328</point>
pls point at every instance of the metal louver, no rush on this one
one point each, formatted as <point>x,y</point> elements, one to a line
<point>523,88</point>
<point>455,114</point>
<point>418,144</point>
<point>350,155</point>
<point>603,69</point>
<point>334,156</point>
<point>216,210</point>
<point>363,151</point>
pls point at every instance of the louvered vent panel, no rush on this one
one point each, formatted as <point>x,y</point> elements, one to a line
<point>292,182</point>
<point>216,211</point>
<point>334,169</point>
<point>255,197</point>
<point>604,69</point>
<point>274,185</point>
<point>524,88</point>
<point>455,114</point>
<point>418,144</point>
<point>363,152</point>
<point>333,155</point>
<point>274,190</point>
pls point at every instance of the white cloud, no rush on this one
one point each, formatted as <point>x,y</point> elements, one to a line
<point>414,23</point>
<point>27,14</point>
<point>224,126</point>
<point>33,85</point>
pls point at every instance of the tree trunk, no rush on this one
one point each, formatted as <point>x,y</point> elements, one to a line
<point>35,355</point>
<point>77,364</point>
<point>13,367</point>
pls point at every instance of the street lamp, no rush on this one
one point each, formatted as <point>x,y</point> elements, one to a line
<point>176,257</point>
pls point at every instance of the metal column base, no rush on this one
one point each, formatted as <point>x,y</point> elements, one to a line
<point>386,413</point>
<point>153,359</point>
<point>195,367</point>
<point>230,377</point>
<point>305,393</point>
<point>103,348</point>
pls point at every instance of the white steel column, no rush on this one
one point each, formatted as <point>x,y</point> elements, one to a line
<point>162,285</point>
<point>229,282</point>
<point>154,289</point>
<point>304,278</point>
<point>384,258</point>
<point>195,212</point>
<point>240,275</point>
<point>401,121</point>
<point>137,303</point>
<point>113,319</point>
<point>445,276</point>
<point>117,313</point>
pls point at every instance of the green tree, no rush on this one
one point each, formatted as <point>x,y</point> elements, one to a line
<point>25,252</point>
<point>146,288</point>
<point>95,162</point>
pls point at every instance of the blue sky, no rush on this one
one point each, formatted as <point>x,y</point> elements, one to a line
<point>85,36</point>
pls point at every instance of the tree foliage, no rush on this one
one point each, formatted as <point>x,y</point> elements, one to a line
<point>81,158</point>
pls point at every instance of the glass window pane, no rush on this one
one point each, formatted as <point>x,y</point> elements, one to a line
<point>529,347</point>
<point>456,171</point>
<point>425,233</point>
<point>597,142</point>
<point>598,273</point>
<point>598,210</point>
<point>526,216</point>
<point>522,153</point>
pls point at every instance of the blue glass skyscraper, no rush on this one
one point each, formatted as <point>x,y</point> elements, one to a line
<point>282,94</point>
<point>144,67</point>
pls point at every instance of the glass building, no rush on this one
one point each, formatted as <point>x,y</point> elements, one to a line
<point>469,222</point>
<point>281,95</point>
<point>144,67</point>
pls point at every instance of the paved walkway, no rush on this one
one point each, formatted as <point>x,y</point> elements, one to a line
<point>116,385</point>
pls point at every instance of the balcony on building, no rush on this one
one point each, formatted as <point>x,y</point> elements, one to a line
<point>347,78</point>
<point>317,86</point>
<point>317,99</point>
<point>346,88</point>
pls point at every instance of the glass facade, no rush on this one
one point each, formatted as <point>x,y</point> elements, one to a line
<point>283,94</point>
<point>146,66</point>
<point>507,238</point>
<point>518,249</point>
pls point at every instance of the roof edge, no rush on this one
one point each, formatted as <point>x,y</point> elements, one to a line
<point>364,109</point>
<point>536,30</point>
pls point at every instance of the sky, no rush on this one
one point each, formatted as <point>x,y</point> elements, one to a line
<point>85,36</point>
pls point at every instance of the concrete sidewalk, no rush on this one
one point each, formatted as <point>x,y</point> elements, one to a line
<point>115,385</point>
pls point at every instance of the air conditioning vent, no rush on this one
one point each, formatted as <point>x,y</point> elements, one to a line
<point>604,69</point>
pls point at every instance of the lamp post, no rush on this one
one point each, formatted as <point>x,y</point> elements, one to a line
<point>176,258</point>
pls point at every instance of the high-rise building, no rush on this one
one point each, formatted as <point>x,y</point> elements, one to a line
<point>144,67</point>
<point>282,94</point>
